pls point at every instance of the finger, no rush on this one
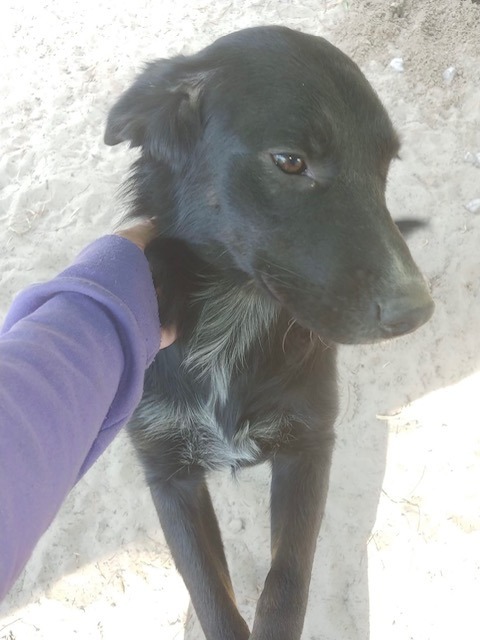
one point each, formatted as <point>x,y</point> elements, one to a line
<point>140,233</point>
<point>168,336</point>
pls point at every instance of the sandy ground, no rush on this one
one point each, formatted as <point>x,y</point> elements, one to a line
<point>399,552</point>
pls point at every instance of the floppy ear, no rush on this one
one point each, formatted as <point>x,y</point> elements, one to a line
<point>160,111</point>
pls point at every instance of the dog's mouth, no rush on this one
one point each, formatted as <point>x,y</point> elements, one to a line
<point>279,293</point>
<point>357,318</point>
<point>269,287</point>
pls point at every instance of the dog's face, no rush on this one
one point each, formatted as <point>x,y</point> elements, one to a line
<point>277,150</point>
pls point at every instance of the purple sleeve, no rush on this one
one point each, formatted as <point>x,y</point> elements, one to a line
<point>73,353</point>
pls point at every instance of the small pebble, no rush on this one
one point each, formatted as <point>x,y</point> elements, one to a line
<point>472,158</point>
<point>397,64</point>
<point>236,525</point>
<point>397,8</point>
<point>473,206</point>
<point>449,74</point>
<point>173,617</point>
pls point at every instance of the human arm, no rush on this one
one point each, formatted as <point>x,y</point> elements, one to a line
<point>73,352</point>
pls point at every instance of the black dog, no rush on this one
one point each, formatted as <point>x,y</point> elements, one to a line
<point>264,161</point>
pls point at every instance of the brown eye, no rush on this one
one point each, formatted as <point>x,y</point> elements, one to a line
<point>289,163</point>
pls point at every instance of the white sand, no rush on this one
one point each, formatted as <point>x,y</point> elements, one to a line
<point>399,552</point>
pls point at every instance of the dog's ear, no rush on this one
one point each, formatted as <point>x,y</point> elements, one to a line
<point>161,111</point>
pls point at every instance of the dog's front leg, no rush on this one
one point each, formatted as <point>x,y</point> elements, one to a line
<point>298,495</point>
<point>190,526</point>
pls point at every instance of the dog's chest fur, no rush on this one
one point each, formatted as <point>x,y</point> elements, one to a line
<point>208,412</point>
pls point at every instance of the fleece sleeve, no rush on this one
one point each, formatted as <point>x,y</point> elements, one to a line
<point>73,353</point>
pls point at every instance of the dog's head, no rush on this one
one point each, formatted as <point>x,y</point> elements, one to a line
<point>268,153</point>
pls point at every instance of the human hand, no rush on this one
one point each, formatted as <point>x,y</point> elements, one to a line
<point>141,234</point>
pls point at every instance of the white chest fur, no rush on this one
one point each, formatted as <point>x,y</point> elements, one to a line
<point>231,321</point>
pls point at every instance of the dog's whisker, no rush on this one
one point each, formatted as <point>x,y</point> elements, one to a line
<point>287,285</point>
<point>291,322</point>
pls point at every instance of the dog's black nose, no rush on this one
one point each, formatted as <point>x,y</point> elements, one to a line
<point>405,313</point>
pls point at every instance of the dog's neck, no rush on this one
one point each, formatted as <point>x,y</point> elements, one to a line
<point>233,318</point>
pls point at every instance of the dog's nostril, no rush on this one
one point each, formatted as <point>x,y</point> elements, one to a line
<point>404,314</point>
